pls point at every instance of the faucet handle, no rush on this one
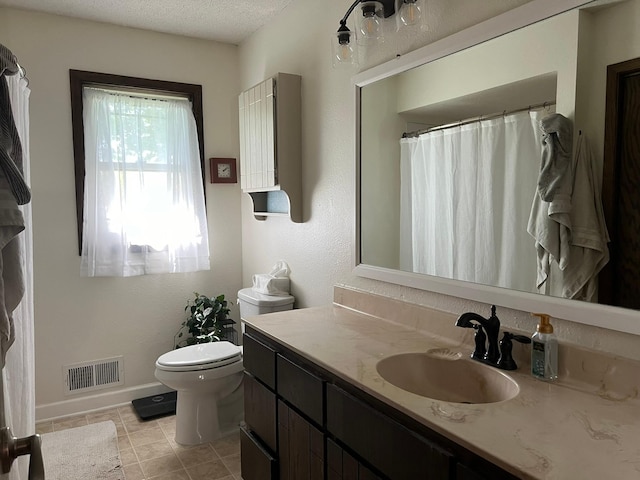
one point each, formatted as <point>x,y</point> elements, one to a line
<point>480,339</point>
<point>506,361</point>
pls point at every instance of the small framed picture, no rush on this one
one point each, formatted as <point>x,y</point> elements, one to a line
<point>223,170</point>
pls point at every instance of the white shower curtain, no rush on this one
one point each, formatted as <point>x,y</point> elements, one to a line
<point>19,371</point>
<point>466,195</point>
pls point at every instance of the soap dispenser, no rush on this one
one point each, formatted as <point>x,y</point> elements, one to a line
<point>544,350</point>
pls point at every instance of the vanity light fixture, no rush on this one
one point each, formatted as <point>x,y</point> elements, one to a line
<point>371,26</point>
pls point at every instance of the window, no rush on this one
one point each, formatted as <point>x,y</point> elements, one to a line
<point>139,175</point>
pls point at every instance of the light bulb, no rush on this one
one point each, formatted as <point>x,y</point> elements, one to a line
<point>370,29</point>
<point>370,26</point>
<point>410,12</point>
<point>345,53</point>
<point>343,48</point>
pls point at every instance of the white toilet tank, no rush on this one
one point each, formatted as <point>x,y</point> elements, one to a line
<point>254,303</point>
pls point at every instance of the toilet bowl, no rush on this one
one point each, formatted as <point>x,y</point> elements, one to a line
<point>208,379</point>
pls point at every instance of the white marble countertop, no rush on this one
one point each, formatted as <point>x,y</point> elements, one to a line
<point>548,431</point>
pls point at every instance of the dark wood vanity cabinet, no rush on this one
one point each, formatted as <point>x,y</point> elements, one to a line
<point>303,423</point>
<point>300,446</point>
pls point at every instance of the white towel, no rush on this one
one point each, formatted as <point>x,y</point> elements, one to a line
<point>589,235</point>
<point>571,231</point>
<point>550,222</point>
<point>557,143</point>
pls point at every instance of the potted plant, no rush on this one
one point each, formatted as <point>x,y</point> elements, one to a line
<point>207,321</point>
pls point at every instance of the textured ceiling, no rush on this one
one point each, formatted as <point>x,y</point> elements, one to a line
<point>228,21</point>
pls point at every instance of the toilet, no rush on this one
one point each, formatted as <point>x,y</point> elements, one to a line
<point>208,378</point>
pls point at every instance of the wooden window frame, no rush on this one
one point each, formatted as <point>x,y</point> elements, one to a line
<point>78,79</point>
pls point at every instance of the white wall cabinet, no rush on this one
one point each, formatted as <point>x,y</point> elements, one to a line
<point>270,146</point>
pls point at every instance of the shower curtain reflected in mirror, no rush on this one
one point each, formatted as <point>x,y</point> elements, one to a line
<point>460,215</point>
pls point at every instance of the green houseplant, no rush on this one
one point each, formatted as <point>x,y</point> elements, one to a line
<point>207,321</point>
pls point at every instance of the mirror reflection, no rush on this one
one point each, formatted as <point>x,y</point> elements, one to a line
<point>486,165</point>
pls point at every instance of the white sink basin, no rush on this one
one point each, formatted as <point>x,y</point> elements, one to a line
<point>451,380</point>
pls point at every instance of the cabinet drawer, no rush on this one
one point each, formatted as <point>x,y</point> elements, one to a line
<point>259,360</point>
<point>256,463</point>
<point>301,389</point>
<point>260,411</point>
<point>382,442</point>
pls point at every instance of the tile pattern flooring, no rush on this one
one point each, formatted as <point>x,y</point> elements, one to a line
<point>149,452</point>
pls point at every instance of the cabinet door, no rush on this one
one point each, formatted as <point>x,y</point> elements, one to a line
<point>342,466</point>
<point>260,411</point>
<point>257,136</point>
<point>256,462</point>
<point>300,446</point>
<point>391,448</point>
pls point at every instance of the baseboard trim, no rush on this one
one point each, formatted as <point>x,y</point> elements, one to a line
<point>92,403</point>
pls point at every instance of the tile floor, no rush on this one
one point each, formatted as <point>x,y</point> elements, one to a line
<point>149,452</point>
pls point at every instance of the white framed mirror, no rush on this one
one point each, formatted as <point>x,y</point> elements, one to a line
<point>546,56</point>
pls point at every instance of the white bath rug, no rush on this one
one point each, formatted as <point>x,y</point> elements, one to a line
<point>83,453</point>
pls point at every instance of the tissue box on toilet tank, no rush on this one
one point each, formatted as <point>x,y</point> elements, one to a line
<point>269,285</point>
<point>276,282</point>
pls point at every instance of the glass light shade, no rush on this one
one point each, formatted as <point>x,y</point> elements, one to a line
<point>370,28</point>
<point>344,49</point>
<point>411,12</point>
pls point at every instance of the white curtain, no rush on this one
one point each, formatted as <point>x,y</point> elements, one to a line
<point>144,208</point>
<point>19,371</point>
<point>466,195</point>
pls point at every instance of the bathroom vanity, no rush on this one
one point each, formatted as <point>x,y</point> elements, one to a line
<point>303,421</point>
<point>316,406</point>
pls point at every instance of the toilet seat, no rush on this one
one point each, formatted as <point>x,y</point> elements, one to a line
<point>204,356</point>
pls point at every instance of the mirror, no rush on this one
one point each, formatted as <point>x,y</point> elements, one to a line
<point>537,57</point>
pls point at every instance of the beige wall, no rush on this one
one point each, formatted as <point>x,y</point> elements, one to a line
<point>79,319</point>
<point>608,36</point>
<point>320,250</point>
<point>380,174</point>
<point>497,63</point>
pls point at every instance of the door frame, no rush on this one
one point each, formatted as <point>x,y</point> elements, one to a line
<point>616,74</point>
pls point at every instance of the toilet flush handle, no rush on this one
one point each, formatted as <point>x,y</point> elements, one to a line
<point>12,447</point>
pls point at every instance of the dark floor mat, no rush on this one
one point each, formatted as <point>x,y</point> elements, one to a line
<point>156,405</point>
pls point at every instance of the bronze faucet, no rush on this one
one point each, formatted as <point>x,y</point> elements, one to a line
<point>498,354</point>
<point>491,327</point>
